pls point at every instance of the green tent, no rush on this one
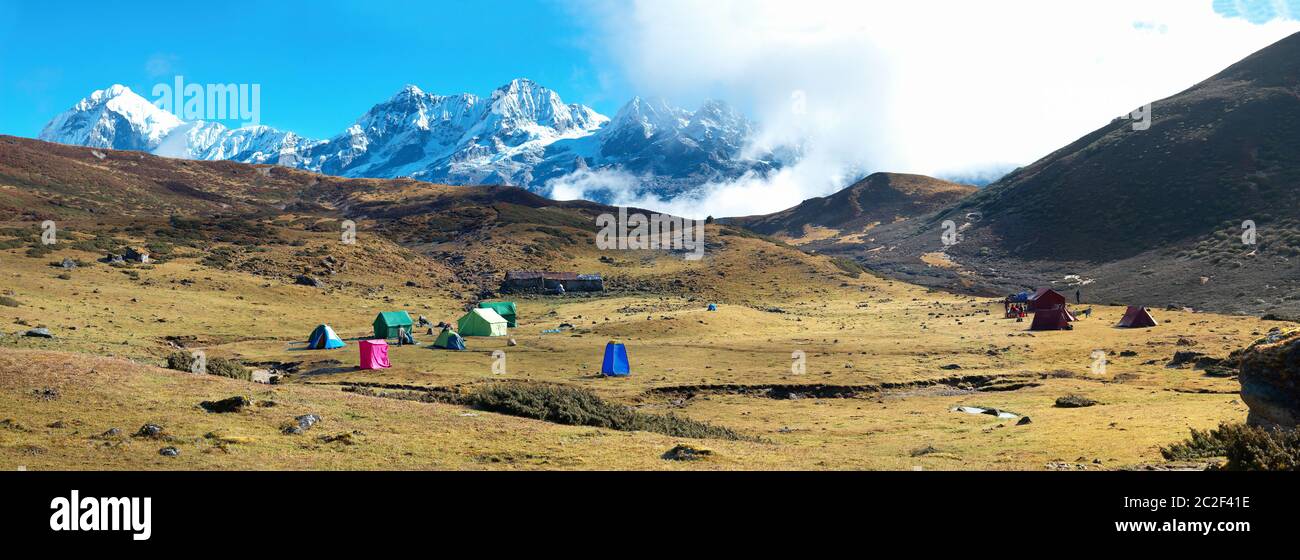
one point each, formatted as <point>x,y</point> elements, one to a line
<point>389,324</point>
<point>481,322</point>
<point>506,309</point>
<point>449,340</point>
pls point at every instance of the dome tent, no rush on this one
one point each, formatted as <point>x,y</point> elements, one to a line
<point>324,338</point>
<point>449,340</point>
<point>1137,317</point>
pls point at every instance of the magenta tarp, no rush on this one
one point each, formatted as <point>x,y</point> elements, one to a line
<point>374,354</point>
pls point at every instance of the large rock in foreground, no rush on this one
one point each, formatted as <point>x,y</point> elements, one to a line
<point>1270,381</point>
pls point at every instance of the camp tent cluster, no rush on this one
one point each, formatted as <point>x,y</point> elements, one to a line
<point>489,318</point>
<point>1051,311</point>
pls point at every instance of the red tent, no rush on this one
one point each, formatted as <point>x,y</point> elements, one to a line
<point>1137,317</point>
<point>1045,298</point>
<point>1054,319</point>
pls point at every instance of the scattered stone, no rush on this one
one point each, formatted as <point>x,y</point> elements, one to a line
<point>68,263</point>
<point>169,451</point>
<point>224,438</point>
<point>11,424</point>
<point>512,342</point>
<point>1184,357</point>
<point>346,438</point>
<point>684,452</point>
<point>304,280</point>
<point>926,450</point>
<point>1024,420</point>
<point>135,254</point>
<point>1074,401</point>
<point>46,393</point>
<point>40,332</point>
<point>1128,354</point>
<point>301,424</point>
<point>111,433</point>
<point>149,431</point>
<point>232,404</point>
<point>951,366</point>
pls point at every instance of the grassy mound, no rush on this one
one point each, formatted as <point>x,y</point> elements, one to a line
<point>183,360</point>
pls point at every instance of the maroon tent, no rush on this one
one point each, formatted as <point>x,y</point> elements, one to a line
<point>1137,317</point>
<point>1045,298</point>
<point>1054,319</point>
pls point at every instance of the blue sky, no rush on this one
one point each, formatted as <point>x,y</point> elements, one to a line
<point>320,64</point>
<point>937,87</point>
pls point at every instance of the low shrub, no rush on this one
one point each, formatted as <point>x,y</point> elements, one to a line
<point>9,302</point>
<point>849,266</point>
<point>1074,401</point>
<point>579,407</point>
<point>1247,448</point>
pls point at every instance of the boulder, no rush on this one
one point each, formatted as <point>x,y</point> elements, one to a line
<point>301,424</point>
<point>304,280</point>
<point>1074,401</point>
<point>685,452</point>
<point>149,431</point>
<point>232,404</point>
<point>39,333</point>
<point>1270,381</point>
<point>169,451</point>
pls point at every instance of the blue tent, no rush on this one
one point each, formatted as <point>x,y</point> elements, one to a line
<point>1021,297</point>
<point>615,363</point>
<point>323,338</point>
<point>713,307</point>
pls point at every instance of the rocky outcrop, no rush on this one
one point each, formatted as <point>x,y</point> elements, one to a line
<point>1270,381</point>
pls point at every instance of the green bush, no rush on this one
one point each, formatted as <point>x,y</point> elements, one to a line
<point>1247,448</point>
<point>579,407</point>
<point>9,302</point>
<point>849,266</point>
<point>39,251</point>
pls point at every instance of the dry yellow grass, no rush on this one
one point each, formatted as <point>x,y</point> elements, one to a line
<point>773,301</point>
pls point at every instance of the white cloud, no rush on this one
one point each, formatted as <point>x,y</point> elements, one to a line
<point>935,87</point>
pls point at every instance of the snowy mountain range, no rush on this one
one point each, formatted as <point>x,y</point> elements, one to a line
<point>523,135</point>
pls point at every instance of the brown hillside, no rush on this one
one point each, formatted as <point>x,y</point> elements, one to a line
<point>880,198</point>
<point>1153,215</point>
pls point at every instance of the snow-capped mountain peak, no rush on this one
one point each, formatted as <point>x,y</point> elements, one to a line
<point>115,117</point>
<point>522,134</point>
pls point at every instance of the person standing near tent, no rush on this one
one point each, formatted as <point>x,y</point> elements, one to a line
<point>1078,296</point>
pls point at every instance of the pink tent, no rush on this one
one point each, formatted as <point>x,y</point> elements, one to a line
<point>374,354</point>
